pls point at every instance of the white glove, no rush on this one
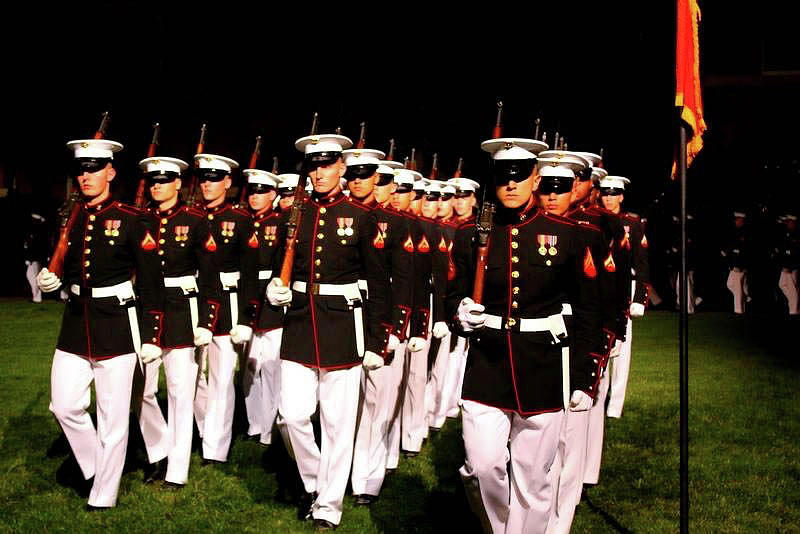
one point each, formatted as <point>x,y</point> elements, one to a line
<point>637,310</point>
<point>149,353</point>
<point>615,349</point>
<point>416,344</point>
<point>394,342</point>
<point>580,401</point>
<point>202,336</point>
<point>278,294</point>
<point>47,281</point>
<point>470,315</point>
<point>241,333</point>
<point>372,361</point>
<point>440,329</point>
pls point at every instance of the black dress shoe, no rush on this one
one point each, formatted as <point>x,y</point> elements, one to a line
<point>156,471</point>
<point>172,486</point>
<point>69,475</point>
<point>410,454</point>
<point>323,524</point>
<point>304,505</point>
<point>365,500</point>
<point>209,461</point>
<point>90,508</point>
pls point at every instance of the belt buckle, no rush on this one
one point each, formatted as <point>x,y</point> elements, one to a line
<point>510,323</point>
<point>314,288</point>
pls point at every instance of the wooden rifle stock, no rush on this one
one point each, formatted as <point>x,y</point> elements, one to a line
<point>362,141</point>
<point>201,146</point>
<point>253,165</point>
<point>457,174</point>
<point>69,214</point>
<point>390,155</point>
<point>484,228</point>
<point>151,151</point>
<point>434,174</point>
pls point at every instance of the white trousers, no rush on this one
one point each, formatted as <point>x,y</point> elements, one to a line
<point>516,501</point>
<point>414,427</point>
<point>736,285</point>
<point>218,423</point>
<point>261,382</point>
<point>567,472</point>
<point>172,439</point>
<point>619,369</point>
<point>456,364</point>
<point>788,285</point>
<point>100,453</point>
<point>30,273</point>
<point>690,288</point>
<point>394,407</point>
<point>435,403</point>
<point>323,469</point>
<point>594,439</point>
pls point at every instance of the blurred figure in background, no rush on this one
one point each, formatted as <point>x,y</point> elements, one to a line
<point>35,247</point>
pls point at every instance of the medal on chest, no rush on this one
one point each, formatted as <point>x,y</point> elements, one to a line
<point>181,233</point>
<point>345,225</point>
<point>270,235</point>
<point>112,227</point>
<point>547,244</point>
<point>227,228</point>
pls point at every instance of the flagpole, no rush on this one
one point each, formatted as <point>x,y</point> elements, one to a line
<point>684,342</point>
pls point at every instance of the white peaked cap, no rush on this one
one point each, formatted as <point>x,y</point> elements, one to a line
<point>598,173</point>
<point>288,180</point>
<point>407,175</point>
<point>739,214</point>
<point>323,143</point>
<point>593,159</point>
<point>464,184</point>
<point>257,176</point>
<point>513,148</point>
<point>567,157</point>
<point>162,165</point>
<point>447,188</point>
<point>212,161</point>
<point>422,183</point>
<point>562,167</point>
<point>383,169</point>
<point>362,156</point>
<point>392,164</point>
<point>614,182</point>
<point>94,148</point>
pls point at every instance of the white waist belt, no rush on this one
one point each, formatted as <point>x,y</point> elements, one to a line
<point>229,280</point>
<point>352,293</point>
<point>566,309</point>
<point>264,275</point>
<point>187,283</point>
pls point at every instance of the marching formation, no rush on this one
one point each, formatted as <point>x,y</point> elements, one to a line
<point>361,291</point>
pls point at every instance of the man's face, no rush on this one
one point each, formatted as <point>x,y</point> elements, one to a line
<point>402,201</point>
<point>463,204</point>
<point>430,206</point>
<point>360,188</point>
<point>384,192</point>
<point>612,203</point>
<point>516,194</point>
<point>415,206</point>
<point>94,184</point>
<point>555,203</point>
<point>213,191</point>
<point>327,178</point>
<point>445,206</point>
<point>260,201</point>
<point>286,200</point>
<point>164,192</point>
<point>581,191</point>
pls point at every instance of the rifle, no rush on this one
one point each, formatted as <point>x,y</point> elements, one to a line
<point>537,123</point>
<point>295,215</point>
<point>498,125</point>
<point>457,174</point>
<point>69,212</point>
<point>253,164</point>
<point>434,174</point>
<point>275,165</point>
<point>483,227</point>
<point>201,146</point>
<point>390,155</point>
<point>412,165</point>
<point>362,142</point>
<point>151,151</point>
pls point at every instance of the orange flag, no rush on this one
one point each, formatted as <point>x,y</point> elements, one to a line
<point>688,95</point>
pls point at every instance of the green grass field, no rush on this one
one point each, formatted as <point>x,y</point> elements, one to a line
<point>744,456</point>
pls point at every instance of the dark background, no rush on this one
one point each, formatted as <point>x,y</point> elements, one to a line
<point>602,73</point>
